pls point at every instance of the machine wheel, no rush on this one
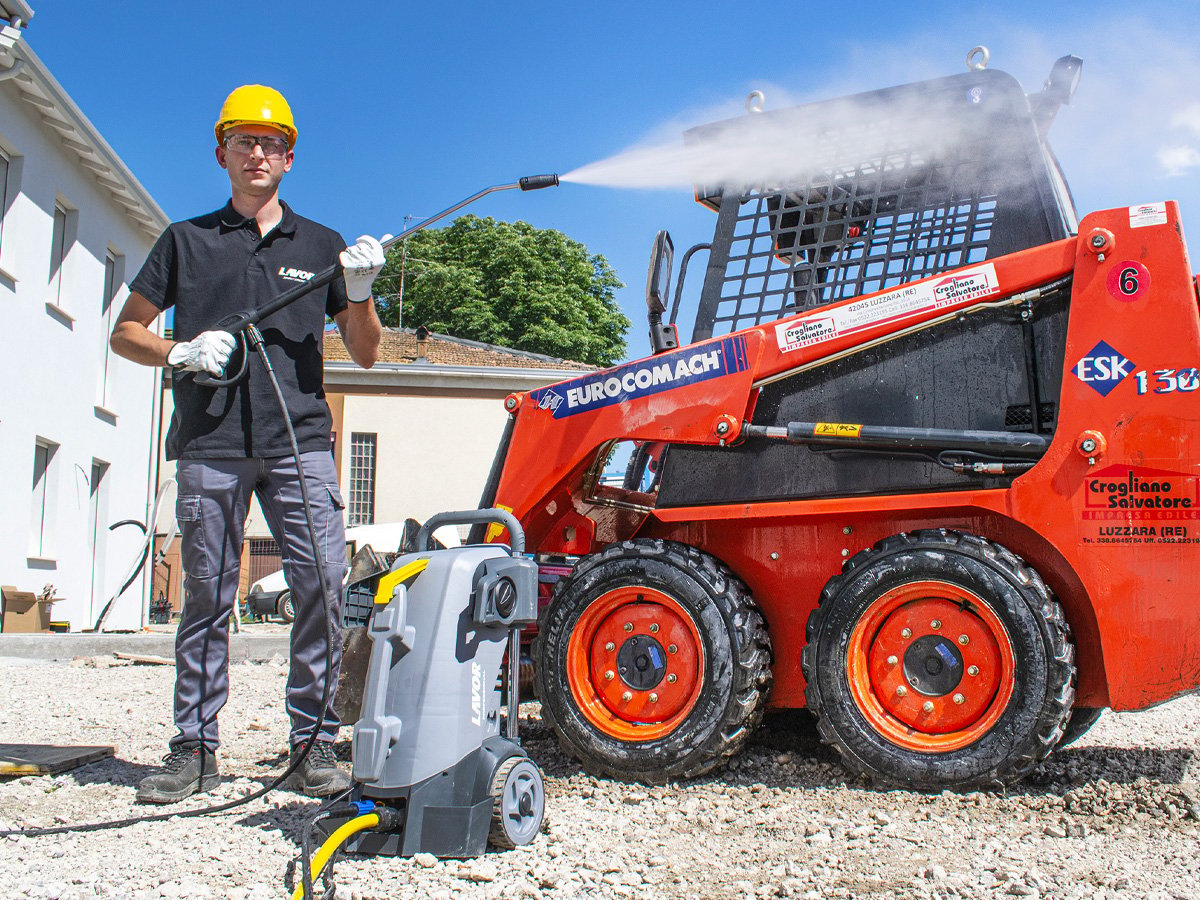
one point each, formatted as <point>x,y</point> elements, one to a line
<point>939,660</point>
<point>518,803</point>
<point>285,607</point>
<point>652,662</point>
<point>1081,721</point>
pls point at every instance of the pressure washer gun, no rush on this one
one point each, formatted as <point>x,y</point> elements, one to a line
<point>244,322</point>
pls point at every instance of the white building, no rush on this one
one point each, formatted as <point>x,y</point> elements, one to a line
<point>77,425</point>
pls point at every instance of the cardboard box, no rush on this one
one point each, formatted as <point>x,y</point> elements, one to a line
<point>23,613</point>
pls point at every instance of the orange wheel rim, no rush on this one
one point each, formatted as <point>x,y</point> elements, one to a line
<point>635,663</point>
<point>930,666</point>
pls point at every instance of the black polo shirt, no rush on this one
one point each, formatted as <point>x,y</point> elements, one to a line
<point>217,264</point>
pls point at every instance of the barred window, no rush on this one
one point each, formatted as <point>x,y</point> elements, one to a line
<point>362,479</point>
<point>265,557</point>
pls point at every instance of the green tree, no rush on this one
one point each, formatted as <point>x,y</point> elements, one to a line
<point>507,283</point>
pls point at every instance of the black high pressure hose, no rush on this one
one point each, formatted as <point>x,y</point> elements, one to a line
<point>254,339</point>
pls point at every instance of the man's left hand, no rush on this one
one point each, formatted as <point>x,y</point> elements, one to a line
<point>361,263</point>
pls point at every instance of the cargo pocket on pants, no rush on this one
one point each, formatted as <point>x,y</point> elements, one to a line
<point>334,528</point>
<point>192,546</point>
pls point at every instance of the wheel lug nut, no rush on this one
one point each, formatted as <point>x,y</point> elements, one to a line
<point>654,698</point>
<point>672,649</point>
<point>935,624</point>
<point>964,640</point>
<point>610,646</point>
<point>629,626</point>
<point>972,670</point>
<point>672,678</point>
<point>610,675</point>
<point>906,633</point>
<point>627,696</point>
<point>927,706</point>
<point>892,660</point>
<point>654,628</point>
<point>960,699</point>
<point>902,691</point>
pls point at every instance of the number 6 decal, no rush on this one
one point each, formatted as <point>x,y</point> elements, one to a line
<point>1128,280</point>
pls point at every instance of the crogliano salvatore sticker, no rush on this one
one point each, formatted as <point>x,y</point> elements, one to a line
<point>891,306</point>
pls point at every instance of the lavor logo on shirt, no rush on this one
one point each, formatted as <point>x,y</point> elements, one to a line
<point>295,274</point>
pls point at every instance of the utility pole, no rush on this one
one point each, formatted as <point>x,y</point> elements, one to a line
<point>404,259</point>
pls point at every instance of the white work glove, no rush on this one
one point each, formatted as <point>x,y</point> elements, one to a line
<point>206,352</point>
<point>361,263</point>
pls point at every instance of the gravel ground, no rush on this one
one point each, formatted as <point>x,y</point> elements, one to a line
<point>1115,815</point>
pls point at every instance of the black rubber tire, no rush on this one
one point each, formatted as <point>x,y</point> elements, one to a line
<point>733,638</point>
<point>285,608</point>
<point>635,469</point>
<point>1031,724</point>
<point>1081,721</point>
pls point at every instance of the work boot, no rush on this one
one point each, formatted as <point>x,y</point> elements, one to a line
<point>318,775</point>
<point>186,771</point>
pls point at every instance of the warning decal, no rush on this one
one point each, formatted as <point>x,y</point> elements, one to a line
<point>891,306</point>
<point>1147,214</point>
<point>836,429</point>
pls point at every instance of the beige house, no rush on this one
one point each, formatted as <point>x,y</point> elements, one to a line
<point>414,435</point>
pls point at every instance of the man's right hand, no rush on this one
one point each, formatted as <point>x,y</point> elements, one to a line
<point>207,352</point>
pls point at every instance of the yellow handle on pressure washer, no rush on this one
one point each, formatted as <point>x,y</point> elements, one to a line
<point>387,584</point>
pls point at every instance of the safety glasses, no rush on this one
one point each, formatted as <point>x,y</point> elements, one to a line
<point>272,147</point>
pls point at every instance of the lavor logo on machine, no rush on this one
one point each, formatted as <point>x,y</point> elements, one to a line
<point>664,372</point>
<point>1102,369</point>
<point>295,274</point>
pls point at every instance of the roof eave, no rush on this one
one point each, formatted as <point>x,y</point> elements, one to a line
<point>38,87</point>
<point>401,375</point>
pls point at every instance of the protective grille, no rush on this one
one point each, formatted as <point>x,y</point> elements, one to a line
<point>866,193</point>
<point>892,220</point>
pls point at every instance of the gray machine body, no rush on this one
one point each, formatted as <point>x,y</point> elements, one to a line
<point>428,739</point>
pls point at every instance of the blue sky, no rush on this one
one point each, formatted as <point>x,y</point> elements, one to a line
<point>405,108</point>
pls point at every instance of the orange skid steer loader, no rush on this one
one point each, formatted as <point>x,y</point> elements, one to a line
<point>929,466</point>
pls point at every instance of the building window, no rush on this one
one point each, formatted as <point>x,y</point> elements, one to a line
<point>362,479</point>
<point>60,245</point>
<point>3,191</point>
<point>114,276</point>
<point>265,557</point>
<point>44,494</point>
<point>98,534</point>
<point>10,190</point>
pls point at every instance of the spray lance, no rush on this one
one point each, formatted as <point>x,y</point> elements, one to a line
<point>241,323</point>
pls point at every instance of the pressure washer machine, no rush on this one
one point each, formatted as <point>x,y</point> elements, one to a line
<point>432,770</point>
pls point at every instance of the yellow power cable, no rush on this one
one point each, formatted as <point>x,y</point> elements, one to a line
<point>339,837</point>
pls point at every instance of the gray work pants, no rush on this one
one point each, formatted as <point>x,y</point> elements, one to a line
<point>213,498</point>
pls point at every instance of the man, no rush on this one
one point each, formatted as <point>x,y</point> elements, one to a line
<point>232,441</point>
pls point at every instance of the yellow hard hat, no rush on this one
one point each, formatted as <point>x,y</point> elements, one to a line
<point>256,104</point>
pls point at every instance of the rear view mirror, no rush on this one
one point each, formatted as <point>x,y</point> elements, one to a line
<point>658,280</point>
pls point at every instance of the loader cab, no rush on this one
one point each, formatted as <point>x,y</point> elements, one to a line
<point>888,187</point>
<point>874,191</point>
